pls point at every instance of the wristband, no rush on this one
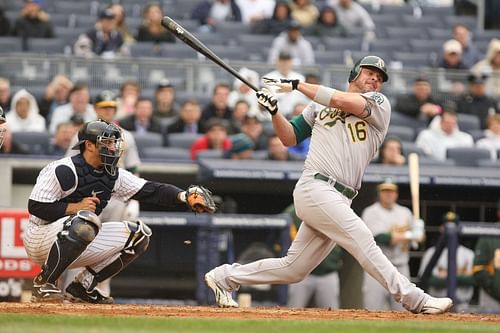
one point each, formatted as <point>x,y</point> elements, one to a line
<point>324,95</point>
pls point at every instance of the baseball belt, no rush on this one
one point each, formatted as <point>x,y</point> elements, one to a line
<point>348,192</point>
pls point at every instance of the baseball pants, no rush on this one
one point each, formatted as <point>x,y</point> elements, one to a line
<point>376,297</point>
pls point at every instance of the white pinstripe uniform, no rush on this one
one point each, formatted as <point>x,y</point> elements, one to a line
<point>105,248</point>
<point>342,145</point>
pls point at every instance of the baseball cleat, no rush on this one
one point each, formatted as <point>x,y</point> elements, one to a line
<point>76,293</point>
<point>46,293</point>
<point>223,298</point>
<point>437,305</point>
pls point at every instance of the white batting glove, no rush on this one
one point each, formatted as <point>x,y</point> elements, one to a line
<point>267,101</point>
<point>131,212</point>
<point>282,85</point>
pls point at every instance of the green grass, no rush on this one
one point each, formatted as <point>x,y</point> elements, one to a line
<point>22,323</point>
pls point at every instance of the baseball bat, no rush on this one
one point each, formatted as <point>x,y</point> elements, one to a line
<point>414,173</point>
<point>185,36</point>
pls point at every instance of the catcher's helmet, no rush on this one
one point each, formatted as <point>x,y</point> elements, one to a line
<point>108,139</point>
<point>369,61</point>
<point>2,128</point>
<point>105,99</point>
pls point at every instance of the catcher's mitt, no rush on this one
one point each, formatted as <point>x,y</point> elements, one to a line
<point>199,199</point>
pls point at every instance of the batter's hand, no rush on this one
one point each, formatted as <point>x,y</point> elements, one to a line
<point>283,85</point>
<point>267,101</point>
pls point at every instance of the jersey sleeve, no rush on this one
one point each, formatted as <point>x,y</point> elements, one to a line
<point>127,185</point>
<point>48,187</point>
<point>379,109</point>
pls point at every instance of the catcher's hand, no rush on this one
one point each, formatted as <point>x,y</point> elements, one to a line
<point>267,101</point>
<point>283,85</point>
<point>200,200</point>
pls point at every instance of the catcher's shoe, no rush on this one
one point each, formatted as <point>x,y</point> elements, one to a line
<point>223,298</point>
<point>436,305</point>
<point>76,293</point>
<point>46,293</point>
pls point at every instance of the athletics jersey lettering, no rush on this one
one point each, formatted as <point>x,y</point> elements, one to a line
<point>328,117</point>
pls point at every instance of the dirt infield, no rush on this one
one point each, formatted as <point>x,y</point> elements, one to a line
<point>240,313</point>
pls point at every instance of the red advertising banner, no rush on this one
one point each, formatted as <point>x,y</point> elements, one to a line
<point>14,262</point>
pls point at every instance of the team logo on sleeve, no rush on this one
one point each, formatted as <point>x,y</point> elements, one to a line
<point>378,98</point>
<point>328,117</point>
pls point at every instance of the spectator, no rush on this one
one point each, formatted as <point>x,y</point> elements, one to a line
<point>210,12</point>
<point>275,24</point>
<point>5,94</point>
<point>465,280</point>
<point>240,111</point>
<point>151,29</point>
<point>215,137</point>
<point>33,21</point>
<point>188,120</point>
<point>276,150</point>
<point>284,70</point>
<point>242,91</point>
<point>391,152</point>
<point>129,93</point>
<point>142,121</point>
<point>491,141</point>
<point>327,24</point>
<point>443,133</point>
<point>352,15</point>
<point>393,227</point>
<point>4,23</point>
<point>304,12</point>
<point>487,271</point>
<point>79,104</point>
<point>452,56</point>
<point>490,66</point>
<point>218,106</point>
<point>9,146</point>
<point>254,129</point>
<point>293,42</point>
<point>322,286</point>
<point>420,104</point>
<point>470,53</point>
<point>121,25</point>
<point>253,11</point>
<point>102,40</point>
<point>242,147</point>
<point>62,139</point>
<point>475,101</point>
<point>164,103</point>
<point>56,94</point>
<point>24,114</point>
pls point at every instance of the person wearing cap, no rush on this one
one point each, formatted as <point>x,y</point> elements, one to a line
<point>215,137</point>
<point>452,56</point>
<point>420,104</point>
<point>188,120</point>
<point>293,42</point>
<point>394,228</point>
<point>475,101</point>
<point>242,147</point>
<point>103,39</point>
<point>33,22</point>
<point>165,105</point>
<point>465,259</point>
<point>487,269</point>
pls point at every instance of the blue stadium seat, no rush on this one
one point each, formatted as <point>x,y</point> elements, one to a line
<point>396,10</point>
<point>178,50</point>
<point>477,134</point>
<point>439,33</point>
<point>406,32</point>
<point>382,45</point>
<point>469,21</point>
<point>46,45</point>
<point>412,59</point>
<point>181,9</point>
<point>36,143</point>
<point>145,49</point>
<point>72,7</point>
<point>329,57</point>
<point>426,45</point>
<point>144,140</point>
<point>404,133</point>
<point>339,43</point>
<point>467,156</point>
<point>421,22</point>
<point>10,44</point>
<point>165,153</point>
<point>182,140</point>
<point>410,147</point>
<point>468,122</point>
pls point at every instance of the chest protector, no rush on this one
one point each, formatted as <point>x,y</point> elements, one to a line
<point>91,182</point>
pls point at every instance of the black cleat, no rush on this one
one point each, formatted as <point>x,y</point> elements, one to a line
<point>76,293</point>
<point>46,293</point>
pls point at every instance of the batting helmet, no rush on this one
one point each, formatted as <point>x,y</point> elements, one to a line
<point>2,129</point>
<point>108,139</point>
<point>369,61</point>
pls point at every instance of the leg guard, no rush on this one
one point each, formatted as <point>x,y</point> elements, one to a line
<point>78,232</point>
<point>135,246</point>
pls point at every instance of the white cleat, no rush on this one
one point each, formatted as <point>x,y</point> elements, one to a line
<point>437,305</point>
<point>223,298</point>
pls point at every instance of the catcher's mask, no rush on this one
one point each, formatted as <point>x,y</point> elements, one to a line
<point>369,61</point>
<point>2,126</point>
<point>108,140</point>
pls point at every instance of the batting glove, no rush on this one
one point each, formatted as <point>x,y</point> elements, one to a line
<point>283,85</point>
<point>267,101</point>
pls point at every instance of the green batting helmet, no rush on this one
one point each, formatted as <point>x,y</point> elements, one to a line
<point>369,61</point>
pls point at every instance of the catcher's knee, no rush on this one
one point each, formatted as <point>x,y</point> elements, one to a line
<point>83,227</point>
<point>138,240</point>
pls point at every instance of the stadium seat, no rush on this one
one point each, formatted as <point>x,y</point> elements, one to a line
<point>477,134</point>
<point>10,44</point>
<point>329,57</point>
<point>467,156</point>
<point>145,140</point>
<point>68,35</point>
<point>210,153</point>
<point>36,143</point>
<point>406,32</point>
<point>429,161</point>
<point>404,133</point>
<point>489,164</point>
<point>182,140</point>
<point>165,153</point>
<point>468,122</point>
<point>45,45</point>
<point>421,22</point>
<point>411,147</point>
<point>412,59</point>
<point>181,9</point>
<point>72,7</point>
<point>469,21</point>
<point>396,10</point>
<point>382,45</point>
<point>401,119</point>
<point>145,49</point>
<point>340,44</point>
<point>426,45</point>
<point>438,12</point>
<point>439,33</point>
<point>178,51</point>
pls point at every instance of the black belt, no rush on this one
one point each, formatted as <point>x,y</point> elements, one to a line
<point>344,190</point>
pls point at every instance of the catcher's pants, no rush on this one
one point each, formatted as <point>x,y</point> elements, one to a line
<point>376,297</point>
<point>328,219</point>
<point>322,290</point>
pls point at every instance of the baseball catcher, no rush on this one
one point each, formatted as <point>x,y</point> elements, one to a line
<point>65,230</point>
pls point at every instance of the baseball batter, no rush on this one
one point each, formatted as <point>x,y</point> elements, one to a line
<point>346,129</point>
<point>64,230</point>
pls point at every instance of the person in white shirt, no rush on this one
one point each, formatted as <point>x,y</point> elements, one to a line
<point>293,42</point>
<point>255,10</point>
<point>352,15</point>
<point>492,139</point>
<point>443,133</point>
<point>24,114</point>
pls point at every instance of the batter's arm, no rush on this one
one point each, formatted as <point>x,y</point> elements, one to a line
<point>284,130</point>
